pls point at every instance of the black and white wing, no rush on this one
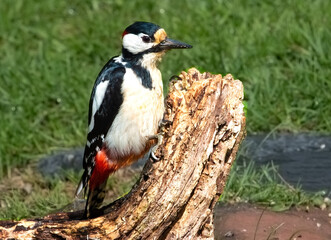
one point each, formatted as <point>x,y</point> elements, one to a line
<point>105,102</point>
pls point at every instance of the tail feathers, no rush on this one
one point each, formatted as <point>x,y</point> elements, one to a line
<point>95,198</point>
<point>81,185</point>
<point>79,188</point>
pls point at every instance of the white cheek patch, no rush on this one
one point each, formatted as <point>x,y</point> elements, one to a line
<point>134,44</point>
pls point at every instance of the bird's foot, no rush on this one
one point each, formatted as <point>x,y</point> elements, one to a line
<point>162,130</point>
<point>159,138</point>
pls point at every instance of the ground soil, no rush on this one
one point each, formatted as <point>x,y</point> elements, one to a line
<point>241,221</point>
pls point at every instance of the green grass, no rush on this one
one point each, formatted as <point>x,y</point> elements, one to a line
<point>264,186</point>
<point>51,52</point>
<point>28,194</point>
<point>18,205</point>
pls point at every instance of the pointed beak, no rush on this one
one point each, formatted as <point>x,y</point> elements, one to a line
<point>168,44</point>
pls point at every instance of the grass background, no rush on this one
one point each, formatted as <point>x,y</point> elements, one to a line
<point>52,51</point>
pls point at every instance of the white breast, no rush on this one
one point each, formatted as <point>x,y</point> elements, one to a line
<point>139,116</point>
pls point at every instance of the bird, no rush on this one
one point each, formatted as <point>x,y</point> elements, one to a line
<point>125,109</point>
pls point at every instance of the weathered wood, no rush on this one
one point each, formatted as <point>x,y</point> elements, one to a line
<point>174,197</point>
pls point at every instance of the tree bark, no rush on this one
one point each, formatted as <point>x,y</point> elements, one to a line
<point>174,197</point>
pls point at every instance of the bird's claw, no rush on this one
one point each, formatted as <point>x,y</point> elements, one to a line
<point>162,130</point>
<point>159,138</point>
<point>153,156</point>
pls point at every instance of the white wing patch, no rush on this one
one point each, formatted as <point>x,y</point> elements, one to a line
<point>119,59</point>
<point>97,100</point>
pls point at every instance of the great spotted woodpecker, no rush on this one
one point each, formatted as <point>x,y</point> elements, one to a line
<point>125,109</point>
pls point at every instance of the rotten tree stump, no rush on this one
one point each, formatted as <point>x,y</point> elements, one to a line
<point>174,197</point>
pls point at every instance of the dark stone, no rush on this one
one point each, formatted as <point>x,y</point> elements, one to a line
<point>55,165</point>
<point>301,158</point>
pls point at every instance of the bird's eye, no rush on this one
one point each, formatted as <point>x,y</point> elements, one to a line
<point>146,39</point>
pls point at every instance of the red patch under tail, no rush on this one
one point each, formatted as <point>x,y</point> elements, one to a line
<point>102,168</point>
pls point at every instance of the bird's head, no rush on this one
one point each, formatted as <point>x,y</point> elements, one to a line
<point>142,38</point>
